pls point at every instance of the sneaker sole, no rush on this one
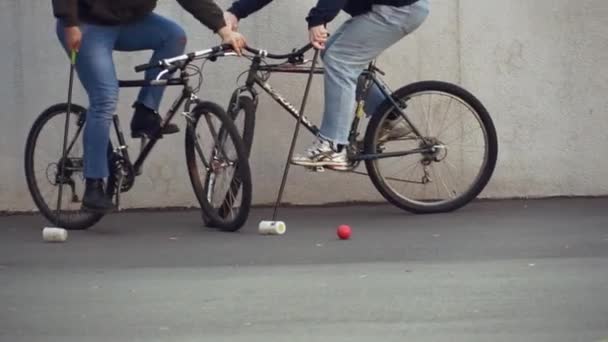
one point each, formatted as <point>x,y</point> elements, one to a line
<point>320,163</point>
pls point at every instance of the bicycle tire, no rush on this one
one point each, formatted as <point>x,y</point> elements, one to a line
<point>212,215</point>
<point>88,219</point>
<point>385,109</point>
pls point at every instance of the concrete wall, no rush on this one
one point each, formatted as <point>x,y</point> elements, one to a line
<point>541,68</point>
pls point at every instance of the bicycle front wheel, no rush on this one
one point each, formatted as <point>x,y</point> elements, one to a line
<point>218,167</point>
<point>459,139</point>
<point>44,173</point>
<point>242,112</point>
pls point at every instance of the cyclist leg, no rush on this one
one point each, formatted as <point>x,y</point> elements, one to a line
<point>96,71</point>
<point>365,37</point>
<point>357,43</point>
<point>167,39</point>
<point>375,97</point>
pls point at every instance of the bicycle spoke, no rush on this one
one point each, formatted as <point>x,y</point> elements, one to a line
<point>423,124</point>
<point>469,148</point>
<point>394,162</point>
<point>414,173</point>
<point>447,166</point>
<point>428,116</point>
<point>452,123</point>
<point>73,142</point>
<point>51,190</point>
<point>232,201</point>
<point>405,168</point>
<point>407,172</point>
<point>445,117</point>
<point>215,136</point>
<point>467,135</point>
<point>439,175</point>
<point>199,151</point>
<point>436,184</point>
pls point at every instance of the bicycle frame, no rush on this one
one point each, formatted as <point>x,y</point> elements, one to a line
<point>186,98</point>
<point>369,77</point>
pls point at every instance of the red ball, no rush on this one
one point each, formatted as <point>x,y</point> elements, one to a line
<point>344,232</point>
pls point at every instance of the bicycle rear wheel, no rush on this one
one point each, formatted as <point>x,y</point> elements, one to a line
<point>218,167</point>
<point>43,154</point>
<point>460,131</point>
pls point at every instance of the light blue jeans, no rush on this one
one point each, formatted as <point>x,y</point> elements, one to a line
<point>348,52</point>
<point>96,71</point>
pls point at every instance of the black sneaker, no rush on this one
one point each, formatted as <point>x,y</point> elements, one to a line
<point>146,122</point>
<point>95,198</point>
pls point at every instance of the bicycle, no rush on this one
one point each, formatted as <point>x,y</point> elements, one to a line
<point>424,149</point>
<point>215,153</point>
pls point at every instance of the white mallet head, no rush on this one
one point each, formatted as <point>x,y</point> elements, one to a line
<point>52,234</point>
<point>272,228</point>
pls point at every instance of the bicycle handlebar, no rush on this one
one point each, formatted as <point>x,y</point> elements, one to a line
<point>169,62</point>
<point>220,50</point>
<point>264,53</point>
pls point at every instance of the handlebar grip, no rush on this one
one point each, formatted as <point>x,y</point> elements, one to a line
<point>147,66</point>
<point>224,47</point>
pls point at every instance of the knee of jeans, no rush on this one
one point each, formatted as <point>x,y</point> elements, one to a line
<point>335,63</point>
<point>102,108</point>
<point>334,57</point>
<point>177,38</point>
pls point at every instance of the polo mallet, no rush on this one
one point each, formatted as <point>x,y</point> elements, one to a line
<point>53,234</point>
<point>278,227</point>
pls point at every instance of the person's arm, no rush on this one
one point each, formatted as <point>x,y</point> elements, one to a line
<point>324,12</point>
<point>67,11</point>
<point>206,11</point>
<point>243,8</point>
<point>211,15</point>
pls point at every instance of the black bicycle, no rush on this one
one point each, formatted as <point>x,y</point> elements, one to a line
<point>443,162</point>
<point>215,153</point>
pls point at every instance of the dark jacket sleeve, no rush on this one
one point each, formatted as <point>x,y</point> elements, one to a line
<point>66,10</point>
<point>242,8</point>
<point>324,12</point>
<point>206,11</point>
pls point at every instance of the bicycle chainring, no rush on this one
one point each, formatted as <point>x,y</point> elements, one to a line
<point>119,166</point>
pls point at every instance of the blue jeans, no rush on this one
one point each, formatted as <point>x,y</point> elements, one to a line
<point>97,73</point>
<point>350,49</point>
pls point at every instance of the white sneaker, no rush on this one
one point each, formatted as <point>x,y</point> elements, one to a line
<point>395,129</point>
<point>322,153</point>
